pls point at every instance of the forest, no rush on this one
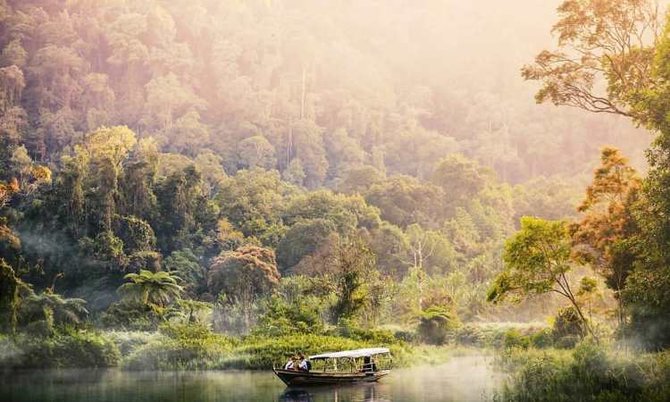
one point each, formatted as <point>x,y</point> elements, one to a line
<point>219,184</point>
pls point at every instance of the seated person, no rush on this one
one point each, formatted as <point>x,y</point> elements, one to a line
<point>290,365</point>
<point>305,365</point>
<point>369,365</point>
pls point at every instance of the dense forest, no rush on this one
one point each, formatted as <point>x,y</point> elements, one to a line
<point>239,171</point>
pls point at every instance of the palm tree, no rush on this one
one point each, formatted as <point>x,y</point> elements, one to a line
<point>153,289</point>
<point>54,309</point>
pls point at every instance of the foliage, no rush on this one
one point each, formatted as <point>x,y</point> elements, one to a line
<point>70,349</point>
<point>602,236</point>
<point>568,327</point>
<point>537,260</point>
<point>153,289</point>
<point>185,265</point>
<point>184,347</point>
<point>349,270</point>
<point>296,307</point>
<point>244,275</point>
<point>48,310</point>
<point>131,317</point>
<point>611,41</point>
<point>591,373</point>
<point>10,286</point>
<point>262,353</point>
<point>436,323</point>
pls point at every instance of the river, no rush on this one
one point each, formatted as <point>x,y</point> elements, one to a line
<point>463,378</point>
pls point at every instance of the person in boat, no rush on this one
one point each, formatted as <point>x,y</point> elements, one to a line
<point>369,365</point>
<point>290,364</point>
<point>305,364</point>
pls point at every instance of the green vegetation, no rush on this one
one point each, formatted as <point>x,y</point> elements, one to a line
<point>588,372</point>
<point>179,191</point>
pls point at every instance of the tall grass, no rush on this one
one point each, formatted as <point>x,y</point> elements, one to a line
<point>588,373</point>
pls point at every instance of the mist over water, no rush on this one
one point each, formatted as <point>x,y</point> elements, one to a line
<point>463,378</point>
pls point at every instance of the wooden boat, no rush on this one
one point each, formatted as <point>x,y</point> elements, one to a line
<point>345,367</point>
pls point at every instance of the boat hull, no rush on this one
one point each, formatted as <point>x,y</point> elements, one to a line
<point>292,377</point>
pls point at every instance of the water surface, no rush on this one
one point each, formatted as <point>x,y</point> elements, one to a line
<point>466,378</point>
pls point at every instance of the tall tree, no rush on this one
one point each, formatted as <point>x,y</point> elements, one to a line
<point>603,235</point>
<point>537,261</point>
<point>153,289</point>
<point>608,42</point>
<point>244,275</point>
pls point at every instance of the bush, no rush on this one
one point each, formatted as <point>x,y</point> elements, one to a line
<point>128,341</point>
<point>284,318</point>
<point>73,349</point>
<point>544,338</point>
<point>262,353</point>
<point>591,373</point>
<point>568,328</point>
<point>126,316</point>
<point>469,335</point>
<point>348,329</point>
<point>405,336</point>
<point>514,339</point>
<point>435,323</point>
<point>182,347</point>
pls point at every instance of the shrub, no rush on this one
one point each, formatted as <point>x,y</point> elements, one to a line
<point>568,328</point>
<point>183,347</point>
<point>348,329</point>
<point>544,338</point>
<point>128,341</point>
<point>261,353</point>
<point>469,335</point>
<point>73,349</point>
<point>435,323</point>
<point>132,317</point>
<point>405,336</point>
<point>591,373</point>
<point>514,339</point>
<point>284,318</point>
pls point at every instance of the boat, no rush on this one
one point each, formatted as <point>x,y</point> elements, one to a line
<point>344,367</point>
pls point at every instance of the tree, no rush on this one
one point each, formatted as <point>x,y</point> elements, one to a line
<point>460,178</point>
<point>359,180</point>
<point>602,236</point>
<point>349,269</point>
<point>256,151</point>
<point>244,275</point>
<point>152,289</point>
<point>404,200</point>
<point>186,265</point>
<point>619,42</point>
<point>10,296</point>
<point>252,200</point>
<point>435,323</point>
<point>301,240</point>
<point>537,261</point>
<point>53,310</point>
<point>345,212</point>
<point>599,41</point>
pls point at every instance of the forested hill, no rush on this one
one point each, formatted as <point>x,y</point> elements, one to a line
<point>203,137</point>
<point>309,88</point>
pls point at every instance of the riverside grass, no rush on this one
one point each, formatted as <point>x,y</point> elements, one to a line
<point>587,373</point>
<point>253,353</point>
<point>184,347</point>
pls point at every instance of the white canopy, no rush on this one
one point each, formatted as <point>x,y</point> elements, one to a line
<point>351,353</point>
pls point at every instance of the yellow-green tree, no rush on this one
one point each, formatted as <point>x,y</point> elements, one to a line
<point>537,261</point>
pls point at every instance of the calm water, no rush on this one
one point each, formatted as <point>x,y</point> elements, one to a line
<point>467,378</point>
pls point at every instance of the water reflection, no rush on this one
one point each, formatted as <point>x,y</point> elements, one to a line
<point>467,378</point>
<point>341,393</point>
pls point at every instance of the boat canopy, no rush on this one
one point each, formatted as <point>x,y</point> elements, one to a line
<point>351,353</point>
